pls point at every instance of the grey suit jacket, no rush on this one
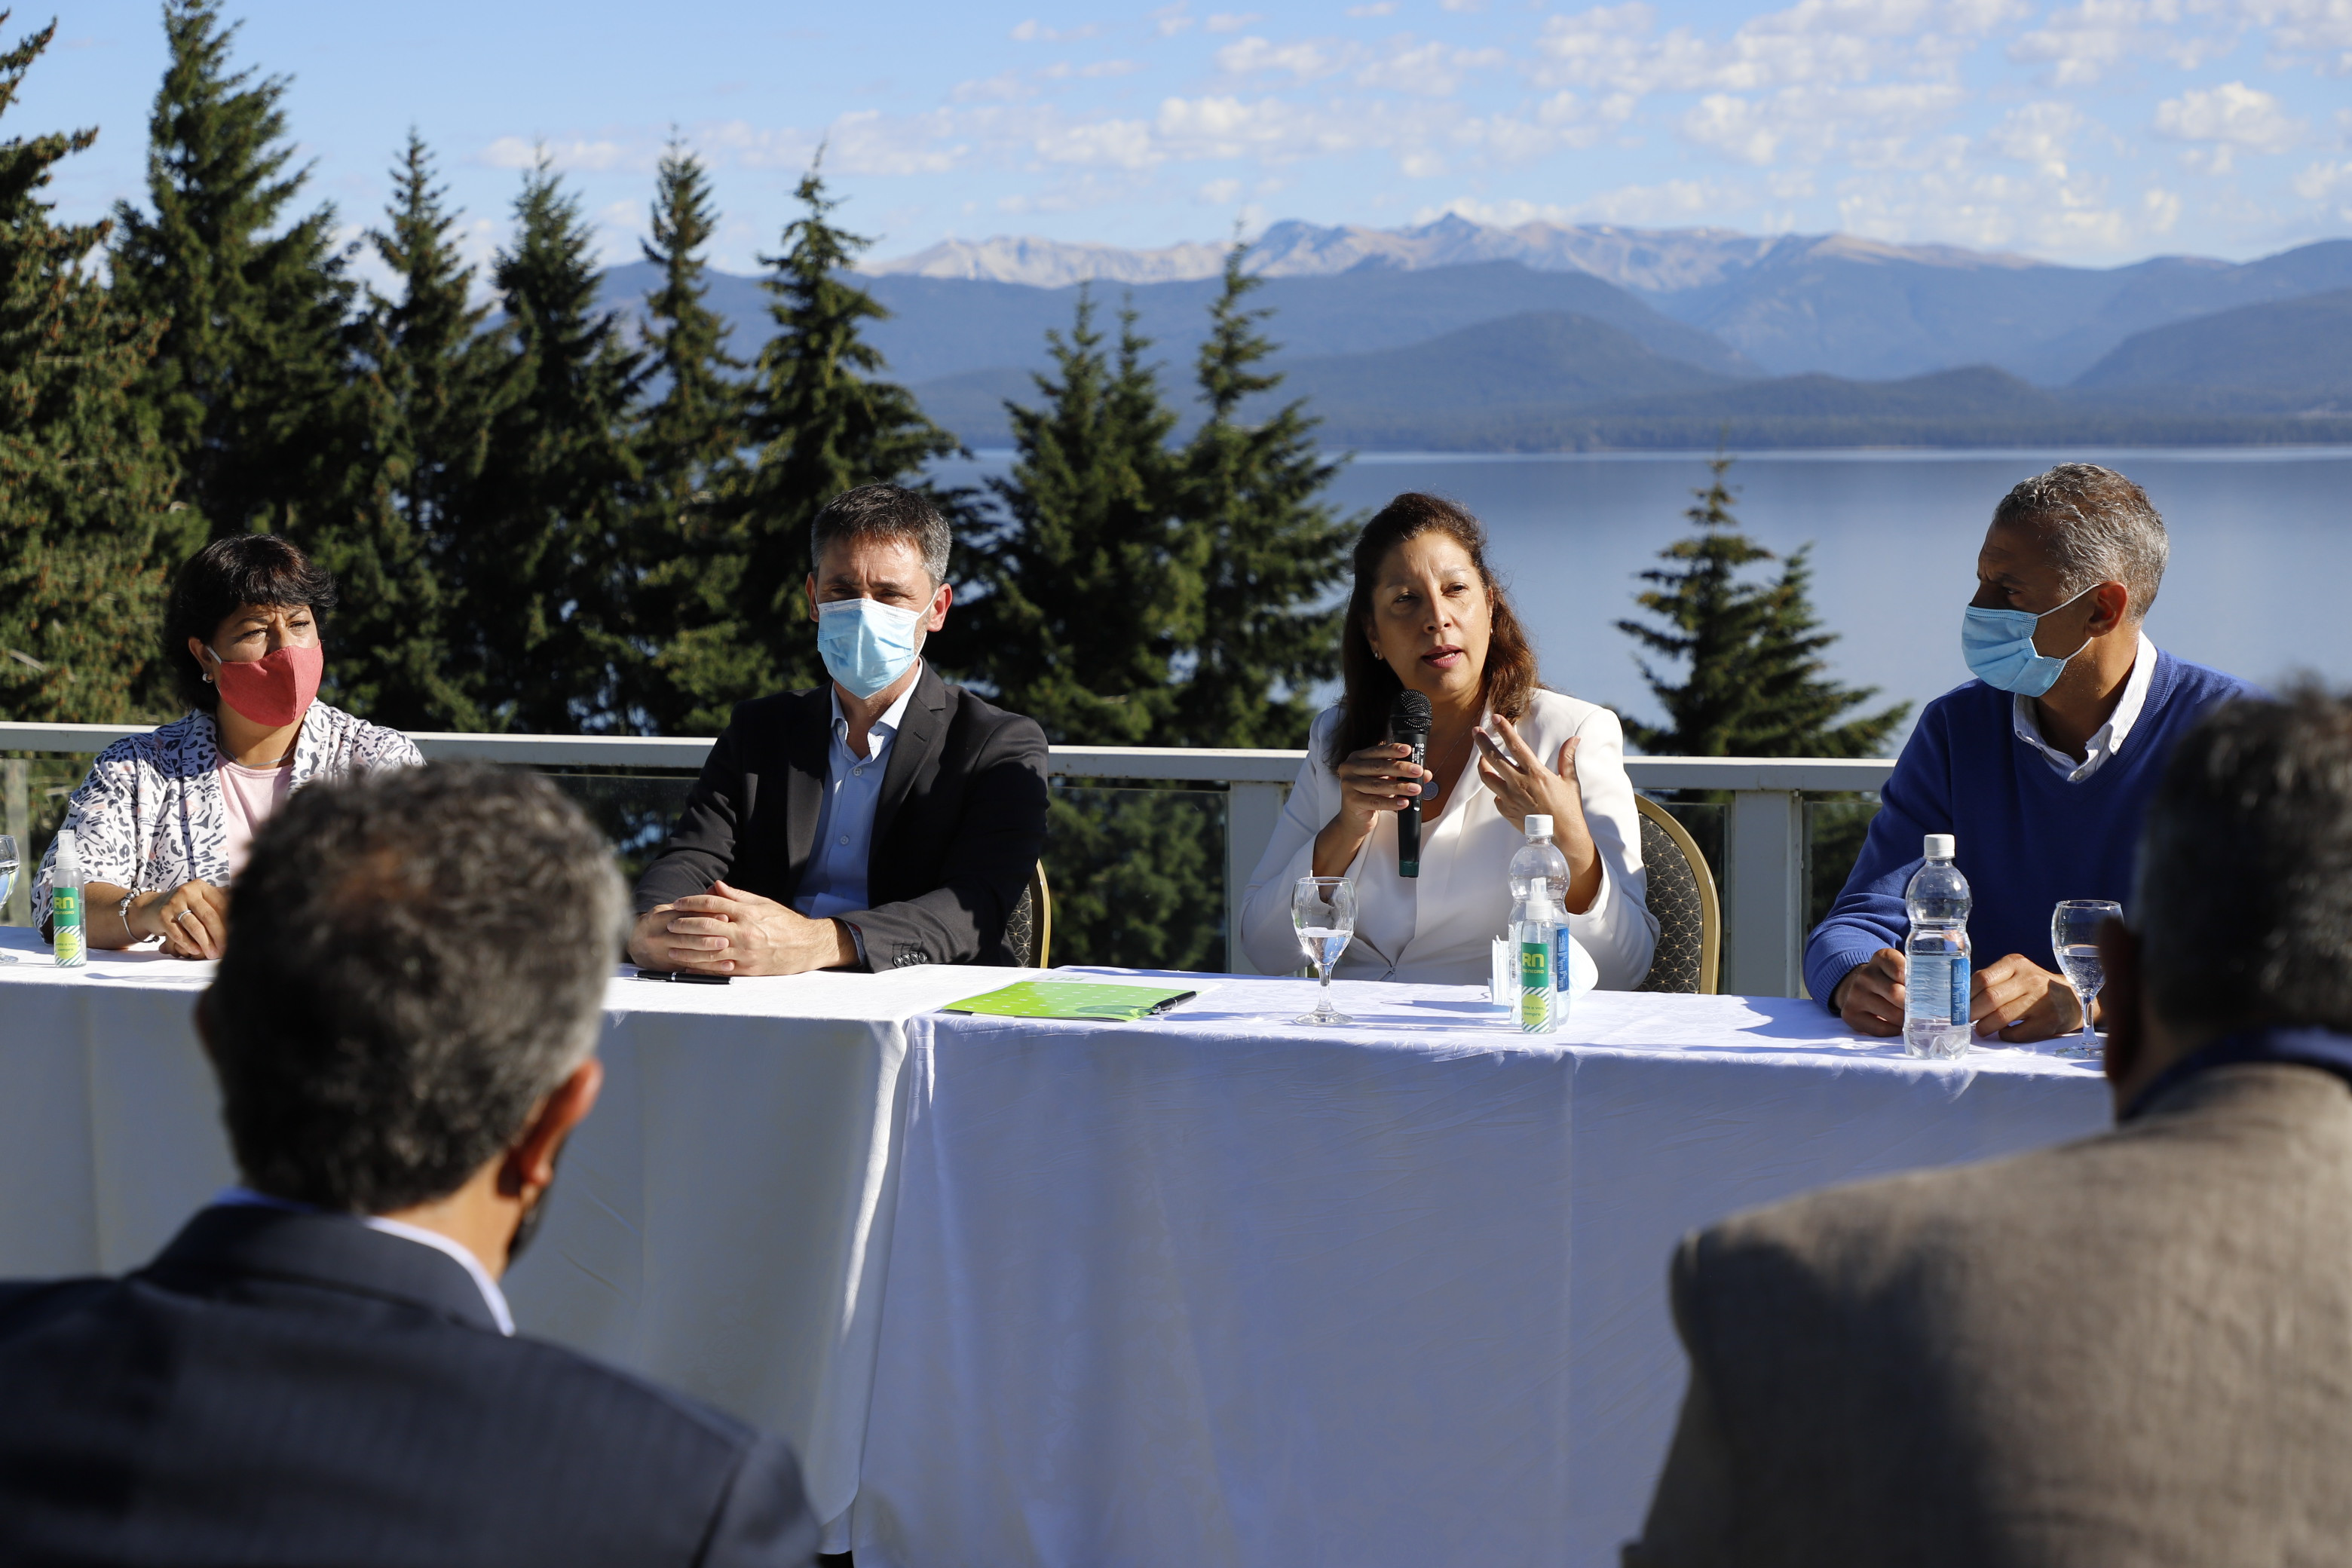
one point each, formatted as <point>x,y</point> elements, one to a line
<point>2132,1349</point>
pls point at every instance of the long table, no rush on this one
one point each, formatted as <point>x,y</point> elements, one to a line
<point>1207,1288</point>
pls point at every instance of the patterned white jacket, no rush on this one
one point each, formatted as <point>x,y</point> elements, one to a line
<point>150,815</point>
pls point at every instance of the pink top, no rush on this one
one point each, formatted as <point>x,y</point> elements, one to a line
<point>250,795</point>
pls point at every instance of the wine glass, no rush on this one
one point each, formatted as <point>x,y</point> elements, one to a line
<point>7,878</point>
<point>2075,938</point>
<point>1323,911</point>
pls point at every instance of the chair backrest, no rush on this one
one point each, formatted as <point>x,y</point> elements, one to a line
<point>1029,929</point>
<point>1682,896</point>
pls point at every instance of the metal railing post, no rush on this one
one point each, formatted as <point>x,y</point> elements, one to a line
<point>16,814</point>
<point>1252,812</point>
<point>1764,894</point>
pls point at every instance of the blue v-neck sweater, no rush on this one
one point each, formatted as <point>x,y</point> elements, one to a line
<point>2027,838</point>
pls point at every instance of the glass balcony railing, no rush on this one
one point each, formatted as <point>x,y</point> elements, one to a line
<point>1148,849</point>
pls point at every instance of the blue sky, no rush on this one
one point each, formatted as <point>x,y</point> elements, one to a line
<point>2093,132</point>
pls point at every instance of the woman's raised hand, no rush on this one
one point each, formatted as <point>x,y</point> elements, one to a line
<point>1379,779</point>
<point>1523,788</point>
<point>1371,781</point>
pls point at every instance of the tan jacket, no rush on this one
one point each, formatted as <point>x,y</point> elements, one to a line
<point>2132,1349</point>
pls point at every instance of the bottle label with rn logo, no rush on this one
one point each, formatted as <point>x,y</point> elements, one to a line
<point>1534,985</point>
<point>64,924</point>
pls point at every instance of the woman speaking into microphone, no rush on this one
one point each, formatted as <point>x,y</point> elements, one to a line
<point>1427,615</point>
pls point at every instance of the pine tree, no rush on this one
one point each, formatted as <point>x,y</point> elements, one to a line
<point>1267,549</point>
<point>249,380</point>
<point>432,385</point>
<point>87,541</point>
<point>698,662</point>
<point>1090,588</point>
<point>1756,684</point>
<point>543,557</point>
<point>823,422</point>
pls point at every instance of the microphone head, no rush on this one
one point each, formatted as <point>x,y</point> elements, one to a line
<point>1409,714</point>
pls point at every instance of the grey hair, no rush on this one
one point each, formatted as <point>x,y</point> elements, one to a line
<point>2099,527</point>
<point>2244,895</point>
<point>417,957</point>
<point>885,512</point>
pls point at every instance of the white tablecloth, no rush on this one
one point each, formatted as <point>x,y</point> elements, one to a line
<point>1210,1288</point>
<point>1214,1289</point>
<point>720,1222</point>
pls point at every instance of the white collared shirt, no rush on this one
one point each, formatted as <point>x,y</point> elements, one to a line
<point>492,1296</point>
<point>2109,737</point>
<point>836,881</point>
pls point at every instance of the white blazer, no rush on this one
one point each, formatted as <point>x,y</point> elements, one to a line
<point>1436,927</point>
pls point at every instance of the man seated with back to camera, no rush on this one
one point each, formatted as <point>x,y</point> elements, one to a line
<point>882,820</point>
<point>2126,1350</point>
<point>320,1367</point>
<point>2042,766</point>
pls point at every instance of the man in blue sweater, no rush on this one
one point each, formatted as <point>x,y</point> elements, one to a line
<point>2041,767</point>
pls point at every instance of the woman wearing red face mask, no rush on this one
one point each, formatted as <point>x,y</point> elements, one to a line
<point>163,820</point>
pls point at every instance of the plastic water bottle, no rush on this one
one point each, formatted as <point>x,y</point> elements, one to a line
<point>1538,889</point>
<point>65,903</point>
<point>1936,955</point>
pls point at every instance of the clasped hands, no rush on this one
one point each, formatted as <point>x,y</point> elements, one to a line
<point>729,931</point>
<point>2012,997</point>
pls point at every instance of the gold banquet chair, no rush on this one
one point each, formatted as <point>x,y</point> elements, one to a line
<point>1682,896</point>
<point>1029,929</point>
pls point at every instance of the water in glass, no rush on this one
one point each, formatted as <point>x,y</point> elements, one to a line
<point>8,878</point>
<point>1323,912</point>
<point>2074,939</point>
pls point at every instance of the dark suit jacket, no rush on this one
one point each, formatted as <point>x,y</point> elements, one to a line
<point>957,831</point>
<point>2130,1351</point>
<point>284,1388</point>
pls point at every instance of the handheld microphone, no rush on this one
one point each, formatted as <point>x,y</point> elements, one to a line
<point>1408,722</point>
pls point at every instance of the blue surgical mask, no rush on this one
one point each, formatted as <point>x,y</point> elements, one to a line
<point>866,645</point>
<point>1998,646</point>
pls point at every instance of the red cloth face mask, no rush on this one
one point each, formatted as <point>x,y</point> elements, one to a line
<point>276,688</point>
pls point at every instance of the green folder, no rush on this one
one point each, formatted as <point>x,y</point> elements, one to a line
<point>1071,999</point>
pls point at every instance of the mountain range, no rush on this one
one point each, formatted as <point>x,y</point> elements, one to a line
<point>1456,335</point>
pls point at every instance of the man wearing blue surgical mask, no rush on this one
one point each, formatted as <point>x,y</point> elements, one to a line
<point>2041,767</point>
<point>882,820</point>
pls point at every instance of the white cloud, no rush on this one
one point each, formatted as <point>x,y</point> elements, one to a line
<point>1429,70</point>
<point>2224,121</point>
<point>1004,86</point>
<point>2086,42</point>
<point>1463,5</point>
<point>1036,31</point>
<point>1119,144</point>
<point>1170,20</point>
<point>1377,8</point>
<point>1814,42</point>
<point>1232,21</point>
<point>2330,185</point>
<point>2041,134</point>
<point>1221,193</point>
<point>567,156</point>
<point>1870,126</point>
<point>2320,30</point>
<point>1092,70</point>
<point>1302,61</point>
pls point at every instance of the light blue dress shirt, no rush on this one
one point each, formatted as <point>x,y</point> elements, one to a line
<point>836,881</point>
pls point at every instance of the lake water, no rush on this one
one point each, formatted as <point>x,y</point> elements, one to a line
<point>2261,550</point>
